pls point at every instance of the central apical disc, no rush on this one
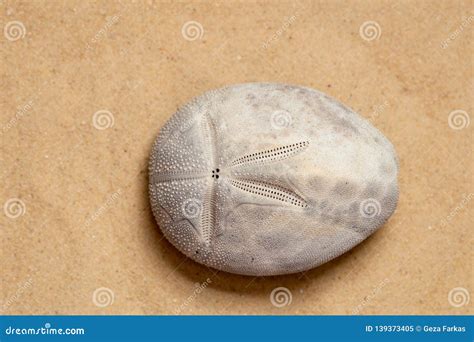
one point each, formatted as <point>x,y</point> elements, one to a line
<point>266,179</point>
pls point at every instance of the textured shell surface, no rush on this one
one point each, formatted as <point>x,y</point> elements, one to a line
<point>267,179</point>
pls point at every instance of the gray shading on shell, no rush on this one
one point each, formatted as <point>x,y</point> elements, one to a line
<point>267,179</point>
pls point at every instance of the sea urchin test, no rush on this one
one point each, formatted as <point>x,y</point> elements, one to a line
<point>265,179</point>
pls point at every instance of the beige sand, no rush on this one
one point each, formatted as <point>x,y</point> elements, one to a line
<point>86,222</point>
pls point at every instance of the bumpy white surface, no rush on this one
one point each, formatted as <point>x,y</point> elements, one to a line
<point>267,179</point>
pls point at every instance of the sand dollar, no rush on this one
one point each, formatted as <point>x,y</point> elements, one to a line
<point>266,179</point>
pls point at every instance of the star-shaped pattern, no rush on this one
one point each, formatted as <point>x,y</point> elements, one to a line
<point>252,185</point>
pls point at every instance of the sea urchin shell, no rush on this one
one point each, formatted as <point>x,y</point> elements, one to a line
<point>266,179</point>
